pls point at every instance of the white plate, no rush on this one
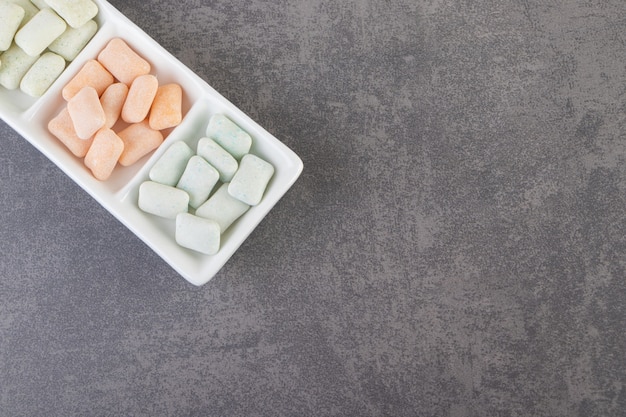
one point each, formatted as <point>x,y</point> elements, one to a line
<point>30,117</point>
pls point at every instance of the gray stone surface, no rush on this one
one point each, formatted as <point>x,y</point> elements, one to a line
<point>456,244</point>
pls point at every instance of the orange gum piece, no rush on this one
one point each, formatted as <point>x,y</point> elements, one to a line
<point>139,140</point>
<point>86,112</point>
<point>121,61</point>
<point>139,99</point>
<point>91,74</point>
<point>112,101</point>
<point>104,153</point>
<point>62,128</point>
<point>166,110</point>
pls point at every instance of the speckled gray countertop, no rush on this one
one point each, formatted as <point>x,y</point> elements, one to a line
<point>455,246</point>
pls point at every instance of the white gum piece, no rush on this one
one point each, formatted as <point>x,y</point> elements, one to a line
<point>29,7</point>
<point>170,166</point>
<point>222,208</point>
<point>217,156</point>
<point>197,233</point>
<point>249,183</point>
<point>229,136</point>
<point>162,200</point>
<point>15,64</point>
<point>73,40</point>
<point>11,16</point>
<point>42,74</point>
<point>35,36</point>
<point>75,12</point>
<point>198,180</point>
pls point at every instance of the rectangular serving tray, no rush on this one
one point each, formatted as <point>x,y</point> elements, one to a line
<point>30,117</point>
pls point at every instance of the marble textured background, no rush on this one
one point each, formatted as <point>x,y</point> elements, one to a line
<point>456,244</point>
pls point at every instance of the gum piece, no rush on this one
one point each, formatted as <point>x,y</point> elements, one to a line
<point>217,156</point>
<point>198,180</point>
<point>104,153</point>
<point>122,61</point>
<point>42,74</point>
<point>198,234</point>
<point>166,110</point>
<point>75,12</point>
<point>222,208</point>
<point>35,36</point>
<point>86,112</point>
<point>139,140</point>
<point>15,64</point>
<point>251,179</point>
<point>229,136</point>
<point>30,9</point>
<point>62,128</point>
<point>91,74</point>
<point>171,165</point>
<point>162,200</point>
<point>140,97</point>
<point>73,40</point>
<point>11,16</point>
<point>112,101</point>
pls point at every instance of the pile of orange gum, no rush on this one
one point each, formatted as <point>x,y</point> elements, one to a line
<point>115,87</point>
